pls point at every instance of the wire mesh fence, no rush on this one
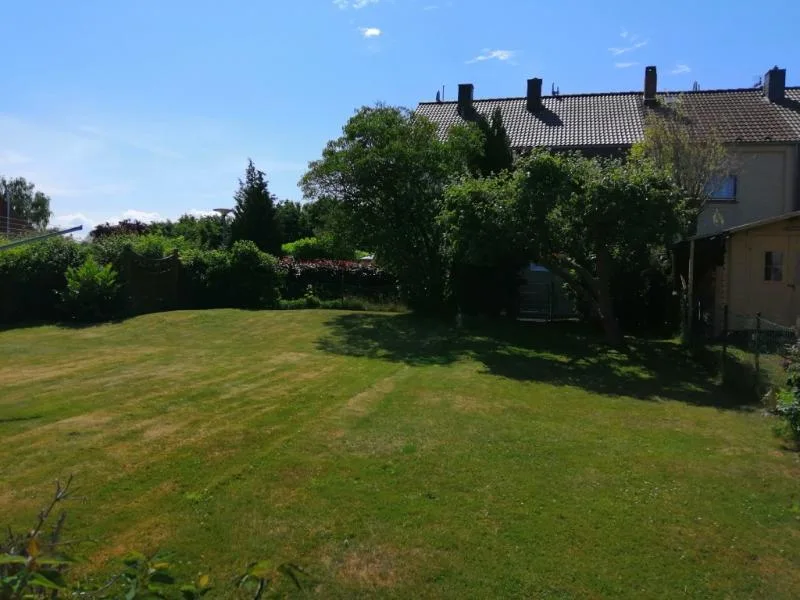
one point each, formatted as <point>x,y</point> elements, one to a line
<point>750,353</point>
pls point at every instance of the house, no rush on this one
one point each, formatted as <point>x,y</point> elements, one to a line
<point>752,269</point>
<point>760,126</point>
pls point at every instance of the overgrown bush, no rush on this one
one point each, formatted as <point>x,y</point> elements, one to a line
<point>32,276</point>
<point>788,400</point>
<point>92,292</point>
<point>486,290</point>
<point>331,279</point>
<point>317,248</point>
<point>245,277</point>
<point>254,275</point>
<point>643,298</point>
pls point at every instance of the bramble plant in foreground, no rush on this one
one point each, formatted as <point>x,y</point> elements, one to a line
<point>33,566</point>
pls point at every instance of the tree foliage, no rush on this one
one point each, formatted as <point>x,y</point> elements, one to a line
<point>125,227</point>
<point>28,205</point>
<point>204,232</point>
<point>387,175</point>
<point>293,221</point>
<point>580,217</point>
<point>497,153</point>
<point>695,158</point>
<point>254,213</point>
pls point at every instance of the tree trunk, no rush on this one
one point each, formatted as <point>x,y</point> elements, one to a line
<point>605,301</point>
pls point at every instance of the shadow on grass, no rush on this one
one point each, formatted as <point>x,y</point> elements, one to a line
<point>18,419</point>
<point>558,354</point>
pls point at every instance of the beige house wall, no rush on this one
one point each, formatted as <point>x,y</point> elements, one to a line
<point>741,283</point>
<point>766,182</point>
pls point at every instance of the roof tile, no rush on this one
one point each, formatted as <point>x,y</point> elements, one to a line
<point>617,119</point>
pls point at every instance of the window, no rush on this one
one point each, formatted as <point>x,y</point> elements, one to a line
<point>723,188</point>
<point>773,266</point>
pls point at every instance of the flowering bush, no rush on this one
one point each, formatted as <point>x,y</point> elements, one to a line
<point>335,279</point>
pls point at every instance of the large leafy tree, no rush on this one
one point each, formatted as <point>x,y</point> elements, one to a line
<point>387,174</point>
<point>582,218</point>
<point>254,214</point>
<point>28,205</point>
<point>204,232</point>
<point>293,221</point>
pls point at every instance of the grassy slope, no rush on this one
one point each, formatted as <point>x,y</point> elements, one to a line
<point>395,457</point>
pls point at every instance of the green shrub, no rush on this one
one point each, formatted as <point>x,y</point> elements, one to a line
<point>788,400</point>
<point>92,292</point>
<point>336,279</point>
<point>243,277</point>
<point>110,249</point>
<point>788,409</point>
<point>33,276</point>
<point>254,275</point>
<point>317,248</point>
<point>205,279</point>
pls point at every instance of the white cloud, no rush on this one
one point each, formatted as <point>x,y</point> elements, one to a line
<point>625,65</point>
<point>197,212</point>
<point>140,215</point>
<point>73,220</point>
<point>370,32</point>
<point>431,7</point>
<point>345,4</point>
<point>617,50</point>
<point>501,55</point>
<point>679,69</point>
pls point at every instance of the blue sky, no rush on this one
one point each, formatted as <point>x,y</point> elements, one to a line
<point>150,108</point>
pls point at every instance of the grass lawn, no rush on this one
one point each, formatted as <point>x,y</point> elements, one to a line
<point>397,457</point>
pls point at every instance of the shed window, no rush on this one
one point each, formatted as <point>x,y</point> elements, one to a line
<point>773,266</point>
<point>723,188</point>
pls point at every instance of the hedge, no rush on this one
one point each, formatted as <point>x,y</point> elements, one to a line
<point>34,282</point>
<point>31,277</point>
<point>330,279</point>
<point>318,248</point>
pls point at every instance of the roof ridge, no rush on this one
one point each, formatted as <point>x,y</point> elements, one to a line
<point>582,95</point>
<point>629,93</point>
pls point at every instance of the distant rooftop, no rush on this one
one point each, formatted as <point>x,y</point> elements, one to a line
<point>616,119</point>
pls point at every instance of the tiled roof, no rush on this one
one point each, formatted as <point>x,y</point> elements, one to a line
<point>617,119</point>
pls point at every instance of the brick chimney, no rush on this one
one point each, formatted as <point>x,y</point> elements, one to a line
<point>534,97</point>
<point>650,84</point>
<point>775,84</point>
<point>465,94</point>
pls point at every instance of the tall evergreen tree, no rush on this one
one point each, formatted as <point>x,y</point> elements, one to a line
<point>497,155</point>
<point>255,217</point>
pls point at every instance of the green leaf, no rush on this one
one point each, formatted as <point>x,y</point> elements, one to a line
<point>133,559</point>
<point>162,577</point>
<point>38,579</point>
<point>261,569</point>
<point>11,559</point>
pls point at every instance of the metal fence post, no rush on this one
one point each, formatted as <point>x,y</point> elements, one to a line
<point>756,350</point>
<point>724,339</point>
